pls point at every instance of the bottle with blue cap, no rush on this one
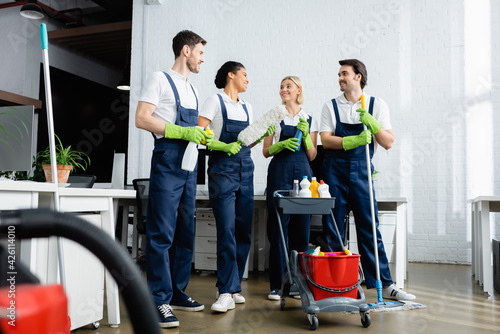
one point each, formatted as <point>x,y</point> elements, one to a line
<point>304,187</point>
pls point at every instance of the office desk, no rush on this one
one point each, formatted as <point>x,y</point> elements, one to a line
<point>259,238</point>
<point>482,267</point>
<point>260,246</point>
<point>397,205</point>
<point>98,206</point>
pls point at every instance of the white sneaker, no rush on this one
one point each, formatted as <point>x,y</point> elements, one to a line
<point>224,302</point>
<point>274,295</point>
<point>238,298</point>
<point>395,293</point>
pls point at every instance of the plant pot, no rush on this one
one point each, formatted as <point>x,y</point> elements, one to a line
<point>62,173</point>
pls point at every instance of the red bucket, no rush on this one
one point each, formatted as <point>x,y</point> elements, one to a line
<point>331,276</point>
<point>33,308</point>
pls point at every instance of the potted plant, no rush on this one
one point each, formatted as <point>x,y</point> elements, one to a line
<point>67,160</point>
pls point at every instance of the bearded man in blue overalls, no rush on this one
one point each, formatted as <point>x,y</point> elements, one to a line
<point>344,168</point>
<point>168,108</point>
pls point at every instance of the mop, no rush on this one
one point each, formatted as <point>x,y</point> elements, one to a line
<point>50,122</point>
<point>380,301</point>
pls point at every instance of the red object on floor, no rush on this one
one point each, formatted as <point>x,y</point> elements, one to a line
<point>337,272</point>
<point>32,308</point>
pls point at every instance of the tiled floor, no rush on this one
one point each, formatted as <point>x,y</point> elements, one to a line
<point>455,304</point>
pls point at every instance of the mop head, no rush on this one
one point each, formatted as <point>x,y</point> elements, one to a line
<point>400,305</point>
<point>256,130</point>
<point>392,306</point>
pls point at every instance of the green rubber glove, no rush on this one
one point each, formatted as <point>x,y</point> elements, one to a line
<point>304,127</point>
<point>208,140</point>
<point>289,144</point>
<point>270,131</point>
<point>210,137</point>
<point>230,148</point>
<point>369,120</point>
<point>351,142</point>
<point>189,133</point>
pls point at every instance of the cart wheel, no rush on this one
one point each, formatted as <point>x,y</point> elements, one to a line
<point>282,304</point>
<point>313,321</point>
<point>366,320</point>
<point>96,324</point>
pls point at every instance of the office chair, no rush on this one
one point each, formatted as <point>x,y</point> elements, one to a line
<point>81,180</point>
<point>141,187</point>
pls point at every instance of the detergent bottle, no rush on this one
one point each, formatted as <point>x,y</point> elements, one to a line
<point>304,187</point>
<point>190,157</point>
<point>314,187</point>
<point>323,190</point>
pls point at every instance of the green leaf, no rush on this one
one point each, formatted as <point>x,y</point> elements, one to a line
<point>65,156</point>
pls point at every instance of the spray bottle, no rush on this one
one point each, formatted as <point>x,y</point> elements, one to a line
<point>190,157</point>
<point>298,135</point>
<point>295,191</point>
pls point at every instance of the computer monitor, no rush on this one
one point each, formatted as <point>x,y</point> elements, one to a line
<point>17,138</point>
<point>201,176</point>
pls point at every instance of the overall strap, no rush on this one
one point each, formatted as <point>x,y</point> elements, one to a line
<point>224,110</point>
<point>176,93</point>
<point>222,107</point>
<point>372,102</point>
<point>336,110</point>
<point>246,112</point>
<point>174,89</point>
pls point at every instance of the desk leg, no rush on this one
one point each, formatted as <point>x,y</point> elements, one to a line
<point>262,239</point>
<point>484,216</point>
<point>135,235</point>
<point>473,238</point>
<point>112,295</point>
<point>400,245</point>
<point>478,246</point>
<point>124,237</point>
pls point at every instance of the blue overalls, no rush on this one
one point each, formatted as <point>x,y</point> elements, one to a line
<point>285,167</point>
<point>346,174</point>
<point>230,185</point>
<point>170,217</point>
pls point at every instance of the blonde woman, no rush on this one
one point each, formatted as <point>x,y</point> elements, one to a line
<point>288,164</point>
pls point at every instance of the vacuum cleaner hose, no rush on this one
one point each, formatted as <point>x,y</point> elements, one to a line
<point>40,223</point>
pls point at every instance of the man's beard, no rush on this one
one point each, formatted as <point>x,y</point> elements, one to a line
<point>192,65</point>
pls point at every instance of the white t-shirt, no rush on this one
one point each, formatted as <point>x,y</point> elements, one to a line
<point>158,91</point>
<point>349,115</point>
<point>211,110</point>
<point>293,121</point>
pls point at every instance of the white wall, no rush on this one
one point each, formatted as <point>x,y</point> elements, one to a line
<point>431,61</point>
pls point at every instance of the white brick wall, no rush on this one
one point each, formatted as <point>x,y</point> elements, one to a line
<point>431,61</point>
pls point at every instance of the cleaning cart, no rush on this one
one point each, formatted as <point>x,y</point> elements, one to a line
<point>325,286</point>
